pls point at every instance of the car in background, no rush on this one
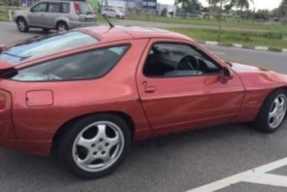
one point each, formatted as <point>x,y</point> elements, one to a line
<point>53,14</point>
<point>113,12</point>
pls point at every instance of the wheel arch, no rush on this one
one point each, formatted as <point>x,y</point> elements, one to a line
<point>62,20</point>
<point>64,128</point>
<point>269,94</point>
<point>21,17</point>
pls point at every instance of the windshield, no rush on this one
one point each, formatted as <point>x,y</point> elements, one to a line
<point>41,46</point>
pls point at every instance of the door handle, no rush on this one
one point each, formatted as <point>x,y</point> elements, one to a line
<point>148,88</point>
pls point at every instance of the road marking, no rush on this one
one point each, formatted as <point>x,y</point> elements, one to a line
<point>258,175</point>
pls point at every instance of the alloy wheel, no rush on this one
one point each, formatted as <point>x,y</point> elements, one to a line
<point>98,146</point>
<point>278,111</point>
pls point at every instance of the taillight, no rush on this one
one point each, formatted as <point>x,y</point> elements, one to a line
<point>4,99</point>
<point>77,8</point>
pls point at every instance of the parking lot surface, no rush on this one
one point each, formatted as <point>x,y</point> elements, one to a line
<point>176,163</point>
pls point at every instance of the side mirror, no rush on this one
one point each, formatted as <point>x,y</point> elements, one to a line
<point>2,48</point>
<point>225,75</point>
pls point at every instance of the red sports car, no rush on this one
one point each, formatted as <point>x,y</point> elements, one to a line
<point>88,94</point>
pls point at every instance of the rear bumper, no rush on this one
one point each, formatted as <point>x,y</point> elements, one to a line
<point>9,140</point>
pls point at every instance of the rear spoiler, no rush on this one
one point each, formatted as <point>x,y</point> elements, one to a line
<point>7,70</point>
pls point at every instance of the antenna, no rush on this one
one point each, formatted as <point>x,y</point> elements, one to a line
<point>108,21</point>
<point>105,17</point>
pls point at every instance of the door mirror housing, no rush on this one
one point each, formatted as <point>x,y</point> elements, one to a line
<point>225,74</point>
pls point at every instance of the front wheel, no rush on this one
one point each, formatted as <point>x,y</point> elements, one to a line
<point>272,113</point>
<point>95,146</point>
<point>22,25</point>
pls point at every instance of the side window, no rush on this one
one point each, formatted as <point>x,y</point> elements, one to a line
<point>88,65</point>
<point>175,60</point>
<point>41,7</point>
<point>65,7</point>
<point>54,8</point>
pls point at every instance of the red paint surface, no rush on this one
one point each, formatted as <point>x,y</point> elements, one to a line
<point>35,111</point>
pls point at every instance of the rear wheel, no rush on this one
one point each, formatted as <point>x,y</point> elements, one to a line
<point>62,26</point>
<point>273,112</point>
<point>22,25</point>
<point>95,146</point>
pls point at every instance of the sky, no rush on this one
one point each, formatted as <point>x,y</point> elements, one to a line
<point>259,4</point>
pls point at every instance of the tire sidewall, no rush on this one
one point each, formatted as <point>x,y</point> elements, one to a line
<point>65,148</point>
<point>24,22</point>
<point>262,123</point>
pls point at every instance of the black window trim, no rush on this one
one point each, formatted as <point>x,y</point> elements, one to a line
<point>49,4</point>
<point>181,76</point>
<point>61,7</point>
<point>42,2</point>
<point>128,45</point>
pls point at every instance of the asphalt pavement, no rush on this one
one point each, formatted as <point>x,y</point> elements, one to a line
<point>175,163</point>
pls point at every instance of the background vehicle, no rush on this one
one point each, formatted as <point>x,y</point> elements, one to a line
<point>113,12</point>
<point>87,94</point>
<point>60,15</point>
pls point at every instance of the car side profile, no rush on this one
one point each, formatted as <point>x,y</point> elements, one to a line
<point>113,12</point>
<point>61,15</point>
<point>86,95</point>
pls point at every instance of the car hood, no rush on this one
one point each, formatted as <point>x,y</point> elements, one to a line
<point>241,68</point>
<point>259,77</point>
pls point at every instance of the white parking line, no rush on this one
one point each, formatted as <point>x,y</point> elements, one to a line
<point>258,175</point>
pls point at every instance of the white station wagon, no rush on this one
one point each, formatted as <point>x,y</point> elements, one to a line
<point>55,14</point>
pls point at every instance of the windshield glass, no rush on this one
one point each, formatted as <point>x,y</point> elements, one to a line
<point>41,46</point>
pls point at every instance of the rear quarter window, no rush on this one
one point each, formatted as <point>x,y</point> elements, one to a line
<point>38,47</point>
<point>87,65</point>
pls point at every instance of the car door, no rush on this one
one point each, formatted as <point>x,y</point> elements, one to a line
<point>53,14</point>
<point>176,96</point>
<point>37,14</point>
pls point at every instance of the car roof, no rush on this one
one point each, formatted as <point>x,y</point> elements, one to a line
<point>118,33</point>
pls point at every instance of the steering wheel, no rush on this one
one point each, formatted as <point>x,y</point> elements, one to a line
<point>188,63</point>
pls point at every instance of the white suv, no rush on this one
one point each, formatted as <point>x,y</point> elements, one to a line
<point>113,12</point>
<point>56,14</point>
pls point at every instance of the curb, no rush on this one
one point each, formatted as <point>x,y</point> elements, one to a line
<point>237,45</point>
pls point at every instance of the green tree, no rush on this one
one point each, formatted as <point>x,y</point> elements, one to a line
<point>189,6</point>
<point>242,4</point>
<point>217,8</point>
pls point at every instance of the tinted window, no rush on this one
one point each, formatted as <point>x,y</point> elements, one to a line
<point>42,46</point>
<point>54,7</point>
<point>174,59</point>
<point>41,7</point>
<point>65,8</point>
<point>88,65</point>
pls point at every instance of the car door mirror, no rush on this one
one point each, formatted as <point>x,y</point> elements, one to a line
<point>225,74</point>
<point>2,48</point>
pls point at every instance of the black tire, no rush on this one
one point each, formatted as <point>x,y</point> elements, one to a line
<point>65,144</point>
<point>62,26</point>
<point>46,30</point>
<point>262,123</point>
<point>22,25</point>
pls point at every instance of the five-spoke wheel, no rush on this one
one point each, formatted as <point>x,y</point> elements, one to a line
<point>98,146</point>
<point>273,112</point>
<point>95,145</point>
